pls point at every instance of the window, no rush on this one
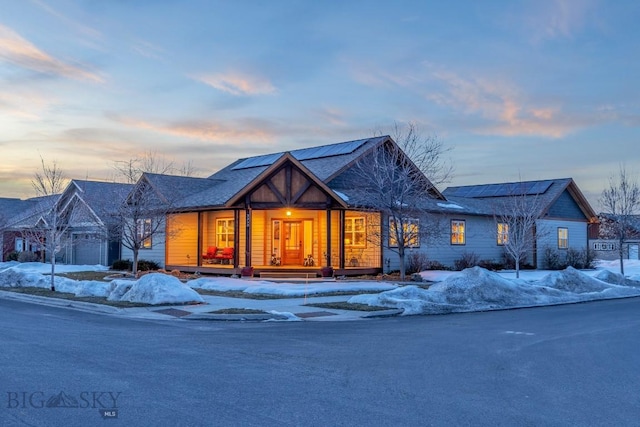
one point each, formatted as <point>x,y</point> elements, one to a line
<point>563,238</point>
<point>354,232</point>
<point>225,232</point>
<point>410,233</point>
<point>457,232</point>
<point>19,244</point>
<point>503,233</point>
<point>144,233</point>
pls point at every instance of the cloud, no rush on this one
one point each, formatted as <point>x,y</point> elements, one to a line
<point>205,130</point>
<point>147,49</point>
<point>240,84</point>
<point>23,104</point>
<point>501,106</point>
<point>19,51</point>
<point>556,19</point>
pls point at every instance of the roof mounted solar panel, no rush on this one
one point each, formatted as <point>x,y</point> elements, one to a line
<point>502,190</point>
<point>338,149</point>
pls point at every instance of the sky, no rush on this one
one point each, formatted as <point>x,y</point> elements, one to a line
<point>519,90</point>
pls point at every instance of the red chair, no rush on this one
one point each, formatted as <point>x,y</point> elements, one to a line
<point>225,256</point>
<point>212,251</point>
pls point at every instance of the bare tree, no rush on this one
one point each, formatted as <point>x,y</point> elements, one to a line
<point>150,162</point>
<point>621,202</point>
<point>142,219</point>
<point>516,218</point>
<point>52,223</point>
<point>393,181</point>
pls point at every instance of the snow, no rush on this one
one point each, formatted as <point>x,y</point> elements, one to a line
<point>224,284</point>
<point>473,289</point>
<point>477,289</point>
<point>450,206</point>
<point>152,288</point>
<point>341,195</point>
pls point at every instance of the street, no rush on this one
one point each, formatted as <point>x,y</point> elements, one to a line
<point>563,365</point>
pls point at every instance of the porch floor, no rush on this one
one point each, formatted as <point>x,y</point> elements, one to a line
<point>304,272</point>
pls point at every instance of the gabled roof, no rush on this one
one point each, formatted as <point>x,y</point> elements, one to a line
<point>286,157</point>
<point>101,197</point>
<point>483,199</point>
<point>31,210</point>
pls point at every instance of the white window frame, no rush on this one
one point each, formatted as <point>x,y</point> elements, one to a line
<point>355,232</point>
<point>409,223</point>
<point>458,232</point>
<point>225,232</point>
<point>503,233</point>
<point>563,238</point>
<point>144,229</point>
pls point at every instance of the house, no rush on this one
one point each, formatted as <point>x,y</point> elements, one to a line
<point>293,211</point>
<point>562,216</point>
<point>604,243</point>
<point>88,217</point>
<point>19,216</point>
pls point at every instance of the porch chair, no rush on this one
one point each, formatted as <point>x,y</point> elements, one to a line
<point>210,255</point>
<point>225,256</point>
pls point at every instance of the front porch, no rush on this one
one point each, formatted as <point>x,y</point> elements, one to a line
<point>299,272</point>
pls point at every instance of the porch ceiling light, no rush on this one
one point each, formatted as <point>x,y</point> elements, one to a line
<point>288,213</point>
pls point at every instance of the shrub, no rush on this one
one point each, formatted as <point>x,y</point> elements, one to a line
<point>28,257</point>
<point>467,260</point>
<point>13,256</point>
<point>490,264</point>
<point>552,259</point>
<point>416,262</point>
<point>146,265</point>
<point>121,264</point>
<point>580,258</point>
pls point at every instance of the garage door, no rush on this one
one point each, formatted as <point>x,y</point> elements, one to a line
<point>87,250</point>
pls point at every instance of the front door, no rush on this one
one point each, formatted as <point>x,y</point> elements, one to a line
<point>292,252</point>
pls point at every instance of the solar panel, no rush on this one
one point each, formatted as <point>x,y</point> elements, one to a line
<point>502,190</point>
<point>303,154</point>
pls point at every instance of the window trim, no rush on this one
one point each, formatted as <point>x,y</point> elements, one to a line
<point>229,234</point>
<point>144,228</point>
<point>502,230</point>
<point>393,243</point>
<point>351,234</point>
<point>563,243</point>
<point>457,242</point>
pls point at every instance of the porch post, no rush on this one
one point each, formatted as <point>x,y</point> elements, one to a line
<point>236,237</point>
<point>247,249</point>
<point>329,237</point>
<point>199,250</point>
<point>341,232</point>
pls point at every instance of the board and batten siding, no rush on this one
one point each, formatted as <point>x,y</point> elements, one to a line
<point>182,243</point>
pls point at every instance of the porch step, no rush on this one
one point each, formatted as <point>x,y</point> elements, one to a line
<point>288,274</point>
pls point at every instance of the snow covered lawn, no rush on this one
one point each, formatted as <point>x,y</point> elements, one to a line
<point>477,289</point>
<point>149,289</point>
<point>469,290</point>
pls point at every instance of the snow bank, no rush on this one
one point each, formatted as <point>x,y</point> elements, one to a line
<point>225,284</point>
<point>156,288</point>
<point>477,289</point>
<point>150,289</point>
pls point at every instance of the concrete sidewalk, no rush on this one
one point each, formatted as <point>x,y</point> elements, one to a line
<point>281,309</point>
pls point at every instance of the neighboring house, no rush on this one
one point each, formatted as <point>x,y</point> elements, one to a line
<point>20,216</point>
<point>93,233</point>
<point>292,210</point>
<point>89,220</point>
<point>605,246</point>
<point>563,217</point>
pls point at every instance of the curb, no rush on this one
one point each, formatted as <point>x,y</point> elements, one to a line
<point>235,317</point>
<point>59,302</point>
<point>383,313</point>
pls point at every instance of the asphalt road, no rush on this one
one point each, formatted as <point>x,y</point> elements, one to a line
<point>564,365</point>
